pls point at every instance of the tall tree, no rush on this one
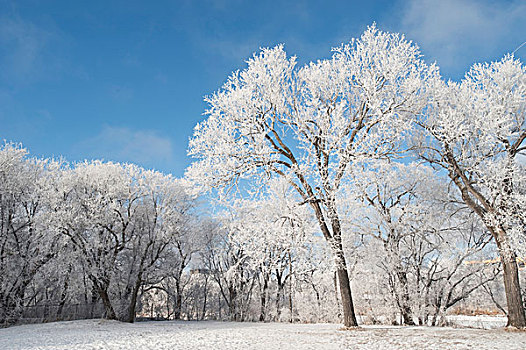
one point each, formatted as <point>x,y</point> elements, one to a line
<point>310,125</point>
<point>476,133</point>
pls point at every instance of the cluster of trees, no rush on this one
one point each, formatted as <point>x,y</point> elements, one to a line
<point>365,167</point>
<point>428,243</point>
<point>88,234</point>
<point>412,252</point>
<point>322,126</point>
<point>102,239</point>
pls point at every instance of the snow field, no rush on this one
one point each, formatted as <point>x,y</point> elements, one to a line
<point>101,334</point>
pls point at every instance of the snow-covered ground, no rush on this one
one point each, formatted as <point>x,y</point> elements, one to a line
<point>97,334</point>
<point>484,322</point>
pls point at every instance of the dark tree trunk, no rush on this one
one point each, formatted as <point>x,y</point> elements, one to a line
<point>291,310</point>
<point>130,317</point>
<point>263,305</point>
<point>232,304</point>
<point>279,293</point>
<point>407,315</point>
<point>102,291</point>
<point>63,295</point>
<point>349,318</point>
<point>178,306</point>
<point>335,240</point>
<point>178,302</point>
<point>516,316</point>
<point>110,312</point>
<point>318,299</point>
<point>510,271</point>
<point>205,295</point>
<point>405,309</point>
<point>290,291</point>
<point>510,274</point>
<point>263,299</point>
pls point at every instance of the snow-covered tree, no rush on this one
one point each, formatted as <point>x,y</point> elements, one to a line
<point>475,132</point>
<point>165,231</point>
<point>121,220</point>
<point>186,241</point>
<point>26,244</point>
<point>310,125</point>
<point>275,233</point>
<point>424,236</point>
<point>228,265</point>
<point>90,201</point>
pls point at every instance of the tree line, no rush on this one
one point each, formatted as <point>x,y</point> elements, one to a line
<point>102,239</point>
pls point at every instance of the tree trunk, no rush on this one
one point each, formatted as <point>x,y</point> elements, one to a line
<point>110,313</point>
<point>102,291</point>
<point>279,294</point>
<point>516,316</point>
<point>64,294</point>
<point>130,317</point>
<point>263,298</point>
<point>335,240</point>
<point>232,305</point>
<point>349,318</point>
<point>178,305</point>
<point>93,300</point>
<point>407,315</point>
<point>290,290</point>
<point>63,298</point>
<point>405,308</point>
<point>205,295</point>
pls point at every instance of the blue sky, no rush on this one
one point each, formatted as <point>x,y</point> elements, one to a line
<point>125,80</point>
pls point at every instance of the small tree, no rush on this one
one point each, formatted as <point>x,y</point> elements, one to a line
<point>274,234</point>
<point>228,264</point>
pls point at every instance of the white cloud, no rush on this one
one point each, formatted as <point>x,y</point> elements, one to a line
<point>459,32</point>
<point>143,147</point>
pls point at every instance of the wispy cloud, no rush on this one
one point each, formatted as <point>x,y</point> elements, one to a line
<point>33,51</point>
<point>458,32</point>
<point>143,147</point>
<point>22,49</point>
